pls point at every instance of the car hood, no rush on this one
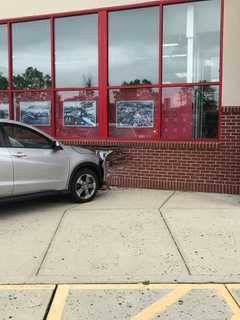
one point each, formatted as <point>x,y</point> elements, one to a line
<point>81,150</point>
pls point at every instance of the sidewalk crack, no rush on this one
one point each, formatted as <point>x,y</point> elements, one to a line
<point>52,238</point>
<point>168,198</point>
<point>175,242</point>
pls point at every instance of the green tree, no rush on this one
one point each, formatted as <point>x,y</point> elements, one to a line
<point>32,78</point>
<point>205,112</point>
<point>136,82</point>
<point>3,82</point>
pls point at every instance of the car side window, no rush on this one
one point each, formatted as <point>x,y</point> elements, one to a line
<point>2,140</point>
<point>21,137</point>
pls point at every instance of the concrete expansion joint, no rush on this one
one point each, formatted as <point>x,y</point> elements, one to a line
<point>180,252</point>
<point>167,199</point>
<point>53,237</point>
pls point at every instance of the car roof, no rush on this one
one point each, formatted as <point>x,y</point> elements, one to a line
<point>6,121</point>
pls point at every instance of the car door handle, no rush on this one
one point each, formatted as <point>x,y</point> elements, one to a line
<point>19,155</point>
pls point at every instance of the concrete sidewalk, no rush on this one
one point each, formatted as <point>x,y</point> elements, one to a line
<point>108,302</point>
<point>144,241</point>
<point>124,236</point>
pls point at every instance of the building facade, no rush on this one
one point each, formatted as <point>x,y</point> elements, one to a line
<point>157,81</point>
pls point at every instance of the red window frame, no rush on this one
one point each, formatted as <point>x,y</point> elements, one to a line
<point>103,87</point>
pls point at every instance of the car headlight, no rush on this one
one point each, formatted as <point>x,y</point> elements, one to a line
<point>103,154</point>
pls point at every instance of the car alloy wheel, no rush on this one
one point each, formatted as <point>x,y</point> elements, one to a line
<point>85,186</point>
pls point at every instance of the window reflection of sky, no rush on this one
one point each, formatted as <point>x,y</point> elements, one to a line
<point>133,45</point>
<point>76,51</point>
<point>31,46</point>
<point>3,51</point>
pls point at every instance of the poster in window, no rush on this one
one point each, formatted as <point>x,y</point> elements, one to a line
<point>80,114</point>
<point>135,114</point>
<point>35,113</point>
<point>4,110</point>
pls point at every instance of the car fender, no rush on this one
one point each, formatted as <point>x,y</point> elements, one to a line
<point>91,165</point>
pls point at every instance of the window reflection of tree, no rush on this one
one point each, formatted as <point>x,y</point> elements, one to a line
<point>205,112</point>
<point>136,82</point>
<point>87,81</point>
<point>3,82</point>
<point>32,78</point>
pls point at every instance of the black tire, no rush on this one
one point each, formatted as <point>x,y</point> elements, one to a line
<point>84,185</point>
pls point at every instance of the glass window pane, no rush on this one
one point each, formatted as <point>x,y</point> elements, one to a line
<point>77,114</point>
<point>133,113</point>
<point>191,45</point>
<point>31,55</point>
<point>4,105</point>
<point>134,46</point>
<point>3,57</point>
<point>76,51</point>
<point>189,113</point>
<point>35,109</point>
<point>20,137</point>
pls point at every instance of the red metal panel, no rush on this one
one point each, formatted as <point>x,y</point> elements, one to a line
<point>193,84</point>
<point>159,110</point>
<point>52,39</point>
<point>76,89</point>
<point>10,71</point>
<point>103,73</point>
<point>221,70</point>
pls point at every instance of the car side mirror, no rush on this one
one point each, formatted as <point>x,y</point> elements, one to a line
<point>57,146</point>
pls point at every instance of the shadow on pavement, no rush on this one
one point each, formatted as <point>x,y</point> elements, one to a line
<point>38,204</point>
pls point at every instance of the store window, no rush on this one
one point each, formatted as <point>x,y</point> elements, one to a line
<point>190,112</point>
<point>133,46</point>
<point>191,45</point>
<point>31,55</point>
<point>77,114</point>
<point>159,79</point>
<point>35,109</point>
<point>4,105</point>
<point>3,57</point>
<point>76,51</point>
<point>133,113</point>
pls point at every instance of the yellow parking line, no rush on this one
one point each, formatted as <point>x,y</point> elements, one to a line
<point>231,302</point>
<point>178,291</point>
<point>58,303</point>
<point>234,286</point>
<point>27,287</point>
<point>161,304</point>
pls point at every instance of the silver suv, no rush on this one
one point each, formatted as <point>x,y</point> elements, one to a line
<point>33,163</point>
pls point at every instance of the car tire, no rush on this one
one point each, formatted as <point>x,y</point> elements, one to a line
<point>84,185</point>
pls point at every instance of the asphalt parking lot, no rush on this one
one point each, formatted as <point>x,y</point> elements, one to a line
<point>130,254</point>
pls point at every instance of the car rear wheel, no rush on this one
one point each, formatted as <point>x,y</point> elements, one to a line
<point>84,185</point>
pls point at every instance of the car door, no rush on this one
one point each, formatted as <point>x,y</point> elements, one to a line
<point>37,166</point>
<point>6,169</point>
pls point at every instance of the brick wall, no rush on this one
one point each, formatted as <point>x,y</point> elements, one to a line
<point>188,166</point>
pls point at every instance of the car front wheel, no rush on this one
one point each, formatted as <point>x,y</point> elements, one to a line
<point>84,185</point>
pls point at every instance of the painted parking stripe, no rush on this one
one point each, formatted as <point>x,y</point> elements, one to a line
<point>179,290</point>
<point>58,304</point>
<point>161,304</point>
<point>233,286</point>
